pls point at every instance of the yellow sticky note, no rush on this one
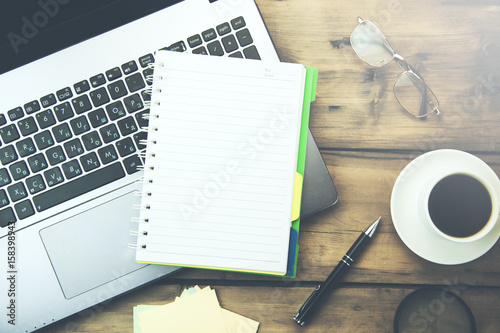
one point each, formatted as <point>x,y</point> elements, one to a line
<point>196,310</point>
<point>178,316</point>
<point>297,196</point>
<point>138,309</point>
<point>238,323</point>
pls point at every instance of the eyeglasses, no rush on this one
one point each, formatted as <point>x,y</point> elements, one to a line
<point>410,90</point>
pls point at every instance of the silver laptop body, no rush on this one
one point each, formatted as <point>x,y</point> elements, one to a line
<point>63,256</point>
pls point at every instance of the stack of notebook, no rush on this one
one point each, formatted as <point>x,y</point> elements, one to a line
<point>224,163</point>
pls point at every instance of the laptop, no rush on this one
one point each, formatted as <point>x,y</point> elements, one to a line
<point>74,76</point>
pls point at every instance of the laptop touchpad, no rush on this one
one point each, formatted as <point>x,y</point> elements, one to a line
<point>91,248</point>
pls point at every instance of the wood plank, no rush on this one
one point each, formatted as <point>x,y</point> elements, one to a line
<point>367,140</point>
<point>454,45</point>
<point>351,308</point>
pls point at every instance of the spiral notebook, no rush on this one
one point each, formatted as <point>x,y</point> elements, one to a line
<point>224,163</point>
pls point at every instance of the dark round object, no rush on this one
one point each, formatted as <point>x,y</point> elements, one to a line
<point>433,310</point>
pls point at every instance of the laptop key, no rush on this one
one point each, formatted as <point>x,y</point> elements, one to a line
<point>127,126</point>
<point>129,67</point>
<point>108,154</point>
<point>3,121</point>
<point>200,50</point>
<point>109,133</point>
<point>8,154</point>
<point>148,73</point>
<point>9,133</point>
<point>24,209</point>
<point>91,140</point>
<point>142,119</point>
<point>236,55</point>
<point>223,29</point>
<point>251,53</point>
<point>99,97</point>
<point>7,216</point>
<point>19,170</point>
<point>27,126</point>
<point>32,107</point>
<point>135,82</point>
<point>146,60</point>
<point>25,147</point>
<point>194,41</point>
<point>98,118</point>
<point>72,169</point>
<point>35,184</point>
<point>4,201</point>
<point>97,80</point>
<point>55,155</point>
<point>53,176</point>
<point>133,103</point>
<point>90,162</point>
<point>37,163</point>
<point>64,94</point>
<point>132,163</point>
<point>115,110</point>
<point>73,148</point>
<point>177,47</point>
<point>113,73</point>
<point>82,86</point>
<point>208,35</point>
<point>125,147</point>
<point>117,89</point>
<point>80,125</point>
<point>244,37</point>
<point>238,23</point>
<point>4,177</point>
<point>146,95</point>
<point>63,111</point>
<point>215,48</point>
<point>62,132</point>
<point>139,139</point>
<point>45,118</point>
<point>81,104</point>
<point>79,186</point>
<point>48,100</point>
<point>17,192</point>
<point>44,140</point>
<point>15,113</point>
<point>229,43</point>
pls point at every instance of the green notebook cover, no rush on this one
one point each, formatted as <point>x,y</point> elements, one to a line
<point>309,97</point>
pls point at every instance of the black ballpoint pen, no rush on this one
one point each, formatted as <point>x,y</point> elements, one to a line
<point>310,306</point>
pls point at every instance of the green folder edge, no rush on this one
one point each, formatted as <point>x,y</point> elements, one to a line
<point>311,82</point>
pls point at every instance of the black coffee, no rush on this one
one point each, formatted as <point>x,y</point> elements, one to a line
<point>460,205</point>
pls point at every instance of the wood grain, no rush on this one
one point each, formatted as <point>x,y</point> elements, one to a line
<point>357,308</point>
<point>454,45</point>
<point>366,140</point>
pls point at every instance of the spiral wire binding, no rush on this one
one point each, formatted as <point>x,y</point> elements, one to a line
<point>145,155</point>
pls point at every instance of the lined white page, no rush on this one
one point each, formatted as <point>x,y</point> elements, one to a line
<point>220,162</point>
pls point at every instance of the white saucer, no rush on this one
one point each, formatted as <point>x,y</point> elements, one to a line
<point>404,207</point>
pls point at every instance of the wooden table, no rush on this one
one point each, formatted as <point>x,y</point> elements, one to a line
<point>366,140</point>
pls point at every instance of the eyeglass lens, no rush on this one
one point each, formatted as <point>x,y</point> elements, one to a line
<point>414,95</point>
<point>371,45</point>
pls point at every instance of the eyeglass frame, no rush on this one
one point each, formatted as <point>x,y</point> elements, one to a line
<point>405,67</point>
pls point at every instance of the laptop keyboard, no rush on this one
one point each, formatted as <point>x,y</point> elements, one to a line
<point>88,134</point>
